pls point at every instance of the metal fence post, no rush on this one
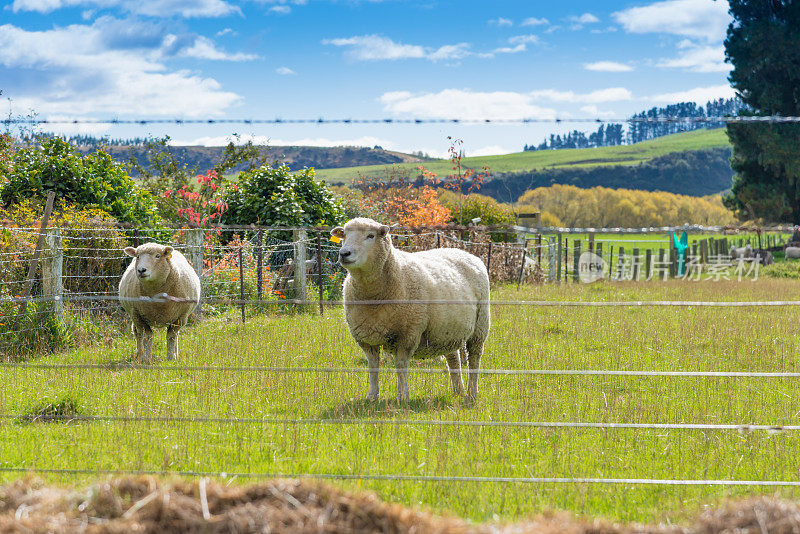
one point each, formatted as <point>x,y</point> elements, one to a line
<point>53,270</point>
<point>300,256</point>
<point>194,249</point>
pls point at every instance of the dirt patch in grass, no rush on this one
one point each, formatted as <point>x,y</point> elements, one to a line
<point>146,504</point>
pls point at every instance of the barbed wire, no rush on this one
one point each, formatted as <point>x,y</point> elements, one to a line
<point>405,478</point>
<point>390,120</point>
<point>163,297</point>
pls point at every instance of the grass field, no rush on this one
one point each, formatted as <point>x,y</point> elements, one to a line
<point>522,337</point>
<point>554,159</point>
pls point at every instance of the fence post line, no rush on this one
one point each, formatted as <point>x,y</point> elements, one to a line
<point>558,259</point>
<point>260,263</point>
<point>538,249</point>
<point>299,236</point>
<point>598,249</point>
<point>551,259</point>
<point>241,280</point>
<point>194,248</point>
<point>489,257</point>
<point>53,270</point>
<point>648,262</point>
<point>26,291</point>
<point>566,260</point>
<point>438,240</point>
<point>635,264</point>
<point>576,259</point>
<point>135,238</point>
<point>591,241</point>
<point>319,270</point>
<point>610,262</point>
<point>621,263</point>
<point>704,251</point>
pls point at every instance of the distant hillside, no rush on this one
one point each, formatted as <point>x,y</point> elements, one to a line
<point>297,157</point>
<point>690,163</point>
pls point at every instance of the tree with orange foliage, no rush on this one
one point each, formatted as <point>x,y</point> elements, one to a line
<point>422,209</point>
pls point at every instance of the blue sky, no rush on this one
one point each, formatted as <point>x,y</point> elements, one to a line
<point>358,59</point>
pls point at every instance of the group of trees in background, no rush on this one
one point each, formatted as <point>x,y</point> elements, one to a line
<point>570,206</point>
<point>640,128</point>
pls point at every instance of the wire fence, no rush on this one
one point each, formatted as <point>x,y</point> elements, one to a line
<point>675,381</point>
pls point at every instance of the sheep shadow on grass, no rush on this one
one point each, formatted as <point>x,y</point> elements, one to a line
<point>364,408</point>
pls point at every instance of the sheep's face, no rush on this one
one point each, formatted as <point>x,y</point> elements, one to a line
<point>363,241</point>
<point>152,262</point>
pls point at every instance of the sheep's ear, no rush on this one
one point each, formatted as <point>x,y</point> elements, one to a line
<point>130,251</point>
<point>168,252</point>
<point>338,232</point>
<point>383,230</point>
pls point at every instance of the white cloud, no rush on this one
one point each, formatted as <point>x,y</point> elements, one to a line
<point>701,95</point>
<point>281,9</point>
<point>204,48</point>
<point>81,74</point>
<point>465,104</point>
<point>612,94</point>
<point>500,21</point>
<point>533,21</point>
<point>285,71</point>
<point>607,66</point>
<point>698,59</point>
<point>593,111</point>
<point>698,19</point>
<point>580,20</point>
<point>586,18</point>
<point>263,140</point>
<point>376,48</point>
<point>227,31</point>
<point>151,8</point>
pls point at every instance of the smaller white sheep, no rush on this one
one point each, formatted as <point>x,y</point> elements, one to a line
<point>792,253</point>
<point>158,269</point>
<point>744,252</point>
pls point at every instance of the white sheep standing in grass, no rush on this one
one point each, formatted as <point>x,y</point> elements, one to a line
<point>158,269</point>
<point>414,324</point>
<point>792,253</point>
<point>744,252</point>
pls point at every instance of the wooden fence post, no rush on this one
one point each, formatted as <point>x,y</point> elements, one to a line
<point>558,260</point>
<point>635,264</point>
<point>53,270</point>
<point>299,237</point>
<point>26,291</point>
<point>489,259</point>
<point>648,261</point>
<point>551,259</point>
<point>194,249</point>
<point>621,262</point>
<point>704,251</point>
<point>538,249</point>
<point>576,259</point>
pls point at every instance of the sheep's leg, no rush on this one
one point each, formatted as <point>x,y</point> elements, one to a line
<point>474,353</point>
<point>401,358</point>
<point>454,364</point>
<point>172,341</point>
<point>373,355</point>
<point>144,340</point>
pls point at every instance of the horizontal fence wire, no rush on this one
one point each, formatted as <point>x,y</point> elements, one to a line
<point>410,478</point>
<point>392,120</point>
<point>410,370</point>
<point>404,422</point>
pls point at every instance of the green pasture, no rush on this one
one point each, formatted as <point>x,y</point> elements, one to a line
<point>551,159</point>
<point>243,404</point>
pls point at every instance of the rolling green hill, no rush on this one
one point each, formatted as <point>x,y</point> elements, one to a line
<point>555,159</point>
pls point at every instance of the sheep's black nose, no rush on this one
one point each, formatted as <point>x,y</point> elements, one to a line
<point>344,253</point>
<point>142,270</point>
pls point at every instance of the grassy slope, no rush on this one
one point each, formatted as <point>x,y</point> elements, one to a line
<point>586,157</point>
<point>734,339</point>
